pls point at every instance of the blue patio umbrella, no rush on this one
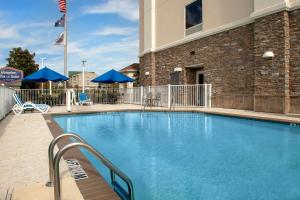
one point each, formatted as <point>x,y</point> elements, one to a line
<point>112,76</point>
<point>44,75</point>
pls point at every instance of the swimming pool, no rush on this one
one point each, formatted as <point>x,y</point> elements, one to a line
<point>193,155</point>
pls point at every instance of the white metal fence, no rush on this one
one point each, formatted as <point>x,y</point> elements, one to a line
<point>6,101</point>
<point>171,95</point>
<point>164,96</point>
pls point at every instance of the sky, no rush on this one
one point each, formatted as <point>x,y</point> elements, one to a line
<point>103,32</point>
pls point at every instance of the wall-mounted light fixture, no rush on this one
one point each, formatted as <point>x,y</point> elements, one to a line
<point>268,54</point>
<point>147,73</point>
<point>177,69</point>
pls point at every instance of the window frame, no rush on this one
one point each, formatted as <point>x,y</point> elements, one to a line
<point>184,24</point>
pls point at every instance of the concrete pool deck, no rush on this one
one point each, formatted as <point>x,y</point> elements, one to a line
<point>24,143</point>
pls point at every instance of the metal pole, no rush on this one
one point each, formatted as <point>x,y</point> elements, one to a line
<point>43,64</point>
<point>83,62</point>
<point>66,48</point>
<point>50,87</point>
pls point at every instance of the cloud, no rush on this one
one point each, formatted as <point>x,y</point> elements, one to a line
<point>122,31</point>
<point>127,9</point>
<point>125,46</point>
<point>12,32</point>
<point>102,57</point>
<point>34,25</point>
<point>8,32</point>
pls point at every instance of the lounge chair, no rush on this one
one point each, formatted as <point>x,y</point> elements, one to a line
<point>21,106</point>
<point>84,99</point>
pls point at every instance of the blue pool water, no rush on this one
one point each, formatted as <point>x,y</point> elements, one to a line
<point>177,156</point>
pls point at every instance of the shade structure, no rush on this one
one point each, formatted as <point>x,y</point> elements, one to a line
<point>44,75</point>
<point>112,76</point>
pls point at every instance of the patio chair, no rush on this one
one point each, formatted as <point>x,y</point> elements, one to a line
<point>157,99</point>
<point>147,100</point>
<point>84,99</point>
<point>21,106</point>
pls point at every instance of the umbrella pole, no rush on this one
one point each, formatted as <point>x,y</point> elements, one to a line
<point>50,87</point>
<point>42,88</point>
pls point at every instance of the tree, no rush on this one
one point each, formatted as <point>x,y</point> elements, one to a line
<point>23,60</point>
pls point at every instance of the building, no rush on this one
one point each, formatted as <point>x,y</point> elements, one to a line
<point>229,44</point>
<point>75,79</point>
<point>131,71</point>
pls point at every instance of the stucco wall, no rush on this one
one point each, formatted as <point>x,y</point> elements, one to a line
<point>170,17</point>
<point>147,25</point>
<point>220,12</point>
<point>141,24</point>
<point>263,4</point>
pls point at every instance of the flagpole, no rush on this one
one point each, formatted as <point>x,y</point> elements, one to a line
<point>66,47</point>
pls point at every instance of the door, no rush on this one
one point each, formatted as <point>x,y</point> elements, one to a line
<point>200,77</point>
<point>200,88</point>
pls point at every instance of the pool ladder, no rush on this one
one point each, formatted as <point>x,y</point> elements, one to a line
<point>54,174</point>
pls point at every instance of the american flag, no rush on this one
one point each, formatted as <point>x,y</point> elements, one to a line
<point>62,6</point>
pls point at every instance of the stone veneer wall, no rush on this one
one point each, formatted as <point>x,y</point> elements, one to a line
<point>295,61</point>
<point>232,62</point>
<point>272,75</point>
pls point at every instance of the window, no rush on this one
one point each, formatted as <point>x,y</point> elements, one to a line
<point>193,17</point>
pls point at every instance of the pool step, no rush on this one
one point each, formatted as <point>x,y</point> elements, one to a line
<point>38,191</point>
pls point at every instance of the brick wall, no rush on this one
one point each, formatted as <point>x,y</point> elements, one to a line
<point>226,60</point>
<point>232,62</point>
<point>295,61</point>
<point>147,64</point>
<point>271,83</point>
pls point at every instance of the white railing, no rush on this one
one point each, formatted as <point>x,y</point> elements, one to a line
<point>164,95</point>
<point>171,95</point>
<point>132,95</point>
<point>191,95</point>
<point>6,101</point>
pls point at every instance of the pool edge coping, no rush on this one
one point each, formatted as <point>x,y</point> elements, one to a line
<point>254,116</point>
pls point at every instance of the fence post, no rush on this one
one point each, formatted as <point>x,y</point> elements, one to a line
<point>142,95</point>
<point>68,100</point>
<point>209,95</point>
<point>205,95</point>
<point>169,96</point>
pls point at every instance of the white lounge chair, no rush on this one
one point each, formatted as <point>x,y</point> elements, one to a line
<point>20,106</point>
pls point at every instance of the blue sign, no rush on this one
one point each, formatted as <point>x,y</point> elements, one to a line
<point>10,75</point>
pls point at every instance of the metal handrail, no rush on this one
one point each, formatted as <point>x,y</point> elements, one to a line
<point>113,169</point>
<point>50,153</point>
